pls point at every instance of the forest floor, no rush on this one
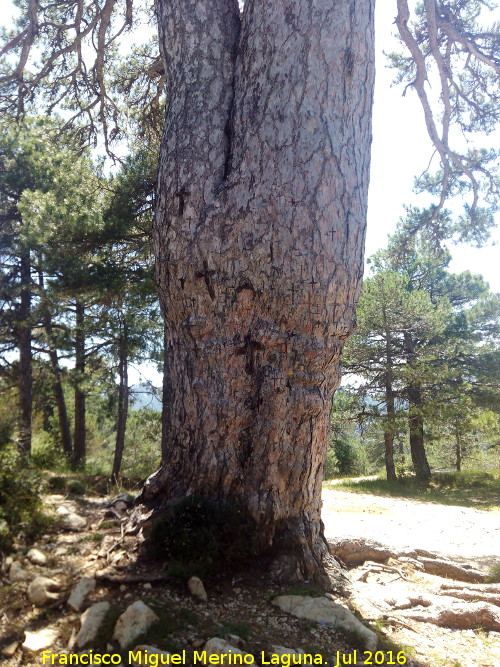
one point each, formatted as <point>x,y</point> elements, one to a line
<point>241,605</point>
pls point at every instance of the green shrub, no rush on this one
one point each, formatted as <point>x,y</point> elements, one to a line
<point>330,470</point>
<point>45,454</point>
<point>20,504</point>
<point>57,484</point>
<point>494,574</point>
<point>76,487</point>
<point>201,537</point>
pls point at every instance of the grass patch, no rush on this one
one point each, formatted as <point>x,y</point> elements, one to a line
<point>171,620</point>
<point>106,628</point>
<point>303,588</point>
<point>95,537</point>
<point>471,488</point>
<point>238,628</point>
<point>494,574</point>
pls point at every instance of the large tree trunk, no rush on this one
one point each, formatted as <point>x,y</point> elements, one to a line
<point>259,238</point>
<point>25,382</point>
<point>166,397</point>
<point>123,401</point>
<point>80,434</point>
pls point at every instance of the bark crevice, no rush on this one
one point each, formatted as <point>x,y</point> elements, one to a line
<point>258,279</point>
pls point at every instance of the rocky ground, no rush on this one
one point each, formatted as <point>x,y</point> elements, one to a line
<point>80,588</point>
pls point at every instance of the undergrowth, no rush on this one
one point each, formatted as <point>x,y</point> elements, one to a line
<point>200,537</point>
<point>20,504</point>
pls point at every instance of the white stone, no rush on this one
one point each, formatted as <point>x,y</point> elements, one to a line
<point>37,557</point>
<point>84,587</point>
<point>107,542</point>
<point>327,613</point>
<point>41,639</point>
<point>91,621</point>
<point>197,589</point>
<point>144,650</point>
<point>17,572</point>
<point>43,590</point>
<point>135,620</point>
<point>218,646</point>
<point>9,650</point>
<point>70,520</point>
<point>283,650</point>
<point>120,506</point>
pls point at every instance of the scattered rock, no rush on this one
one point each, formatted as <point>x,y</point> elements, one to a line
<point>37,557</point>
<point>125,498</point>
<point>91,621</point>
<point>69,520</point>
<point>120,506</point>
<point>143,651</point>
<point>446,568</point>
<point>17,572</point>
<point>357,551</point>
<point>327,613</point>
<point>197,589</point>
<point>235,641</point>
<point>136,620</point>
<point>407,602</point>
<point>474,596</point>
<point>218,646</point>
<point>84,587</point>
<point>9,650</point>
<point>43,590</point>
<point>41,639</point>
<point>283,650</point>
<point>460,616</point>
<point>107,543</point>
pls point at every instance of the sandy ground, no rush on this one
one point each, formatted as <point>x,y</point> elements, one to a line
<point>447,530</point>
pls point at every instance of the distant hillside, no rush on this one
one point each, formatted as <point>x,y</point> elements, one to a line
<point>145,396</point>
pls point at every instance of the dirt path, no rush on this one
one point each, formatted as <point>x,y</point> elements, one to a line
<point>448,530</point>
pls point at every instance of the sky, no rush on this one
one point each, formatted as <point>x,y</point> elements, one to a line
<point>401,150</point>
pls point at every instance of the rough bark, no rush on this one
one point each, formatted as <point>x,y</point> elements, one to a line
<point>123,403</point>
<point>24,334</point>
<point>80,436</point>
<point>166,393</point>
<point>259,238</point>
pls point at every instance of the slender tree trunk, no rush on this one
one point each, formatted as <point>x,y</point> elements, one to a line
<point>123,401</point>
<point>416,427</point>
<point>57,386</point>
<point>79,438</point>
<point>25,382</point>
<point>458,449</point>
<point>259,237</point>
<point>390,425</point>
<point>415,419</point>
